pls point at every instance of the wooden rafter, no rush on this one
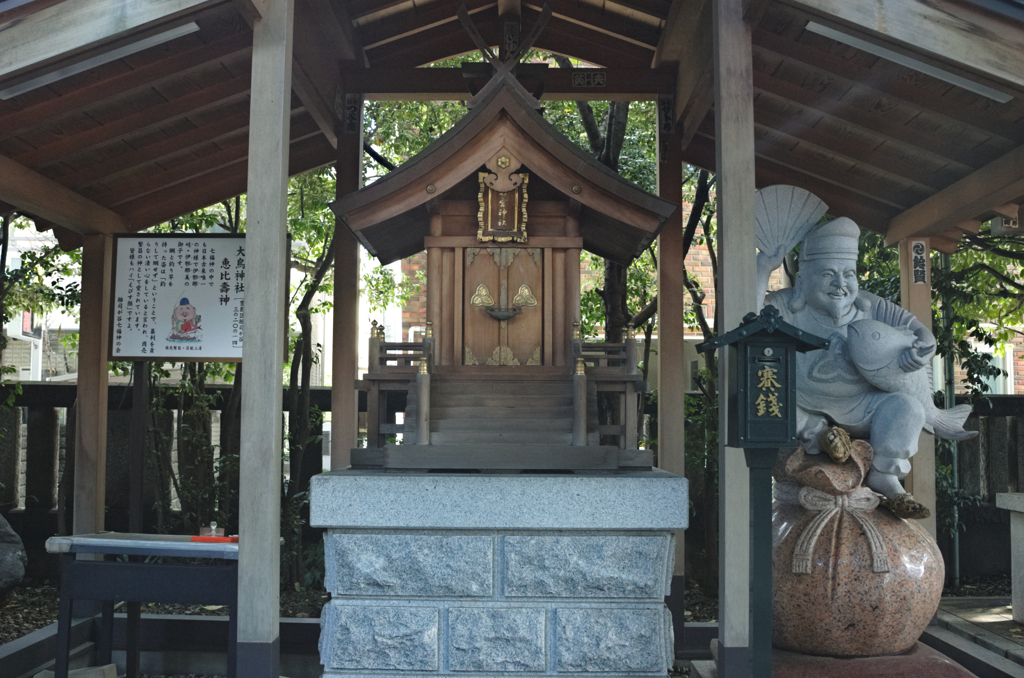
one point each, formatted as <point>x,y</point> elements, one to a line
<point>963,123</point>
<point>226,152</point>
<point>145,76</point>
<point>864,209</point>
<point>173,145</point>
<point>75,26</point>
<point>308,153</point>
<point>875,121</point>
<point>973,196</point>
<point>35,194</point>
<point>397,26</point>
<point>952,35</point>
<point>857,144</point>
<point>221,93</point>
<point>611,25</point>
<point>888,79</point>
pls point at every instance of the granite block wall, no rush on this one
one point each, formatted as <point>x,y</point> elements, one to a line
<point>496,603</point>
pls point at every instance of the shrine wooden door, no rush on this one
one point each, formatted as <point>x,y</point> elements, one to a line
<point>503,306</point>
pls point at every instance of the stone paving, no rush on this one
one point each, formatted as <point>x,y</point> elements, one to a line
<point>986,621</point>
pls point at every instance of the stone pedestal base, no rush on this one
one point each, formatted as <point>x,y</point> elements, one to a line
<point>497,574</point>
<point>920,661</point>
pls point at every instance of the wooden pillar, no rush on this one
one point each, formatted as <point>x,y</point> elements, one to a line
<point>671,307</point>
<point>344,399</point>
<point>916,297</point>
<point>734,146</point>
<point>91,422</point>
<point>259,559</point>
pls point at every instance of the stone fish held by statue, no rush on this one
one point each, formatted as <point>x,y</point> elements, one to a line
<point>875,348</point>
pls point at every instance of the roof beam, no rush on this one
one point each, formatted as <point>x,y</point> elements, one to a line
<point>955,36</point>
<point>315,68</point>
<point>73,26</point>
<point>252,10</point>
<point>33,193</point>
<point>977,194</point>
<point>436,84</point>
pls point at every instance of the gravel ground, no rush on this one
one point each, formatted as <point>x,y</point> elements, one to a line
<point>33,605</point>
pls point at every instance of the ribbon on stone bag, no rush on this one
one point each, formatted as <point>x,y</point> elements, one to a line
<point>857,504</point>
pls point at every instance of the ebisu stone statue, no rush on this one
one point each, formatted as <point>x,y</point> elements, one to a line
<point>874,381</point>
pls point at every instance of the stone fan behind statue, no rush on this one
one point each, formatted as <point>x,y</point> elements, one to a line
<point>874,384</point>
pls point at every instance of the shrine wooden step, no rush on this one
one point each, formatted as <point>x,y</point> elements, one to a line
<point>558,424</point>
<point>500,402</point>
<point>509,436</point>
<point>554,410</point>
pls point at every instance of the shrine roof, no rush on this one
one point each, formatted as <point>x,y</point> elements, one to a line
<point>391,217</point>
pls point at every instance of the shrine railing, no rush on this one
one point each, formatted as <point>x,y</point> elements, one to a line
<point>398,367</point>
<point>610,369</point>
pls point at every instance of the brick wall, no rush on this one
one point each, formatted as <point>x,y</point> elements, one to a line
<point>414,313</point>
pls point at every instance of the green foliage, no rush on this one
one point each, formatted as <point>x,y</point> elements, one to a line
<point>978,317</point>
<point>638,160</point>
<point>382,290</point>
<point>950,501</point>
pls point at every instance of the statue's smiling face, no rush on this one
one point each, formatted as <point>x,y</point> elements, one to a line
<point>829,285</point>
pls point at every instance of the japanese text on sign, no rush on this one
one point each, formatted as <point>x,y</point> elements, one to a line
<point>919,261</point>
<point>178,298</point>
<point>599,79</point>
<point>768,400</point>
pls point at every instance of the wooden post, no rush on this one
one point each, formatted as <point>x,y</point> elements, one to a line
<point>734,162</point>
<point>91,422</point>
<point>671,364</point>
<point>259,549</point>
<point>916,297</point>
<point>423,403</point>
<point>344,399</point>
<point>579,404</point>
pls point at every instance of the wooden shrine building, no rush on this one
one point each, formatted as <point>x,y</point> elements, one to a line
<point>503,204</point>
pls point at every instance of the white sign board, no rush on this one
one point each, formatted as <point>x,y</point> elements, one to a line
<point>178,297</point>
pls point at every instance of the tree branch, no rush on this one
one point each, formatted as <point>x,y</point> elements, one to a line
<point>646,313</point>
<point>700,200</point>
<point>594,134</point>
<point>985,268</point>
<point>378,158</point>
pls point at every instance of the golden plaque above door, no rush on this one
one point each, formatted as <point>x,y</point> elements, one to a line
<point>502,215</point>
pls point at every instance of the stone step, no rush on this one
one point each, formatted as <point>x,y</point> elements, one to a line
<point>497,437</point>
<point>492,424</point>
<point>443,412</point>
<point>968,654</point>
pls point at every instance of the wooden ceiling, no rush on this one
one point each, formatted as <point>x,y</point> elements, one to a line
<point>145,137</point>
